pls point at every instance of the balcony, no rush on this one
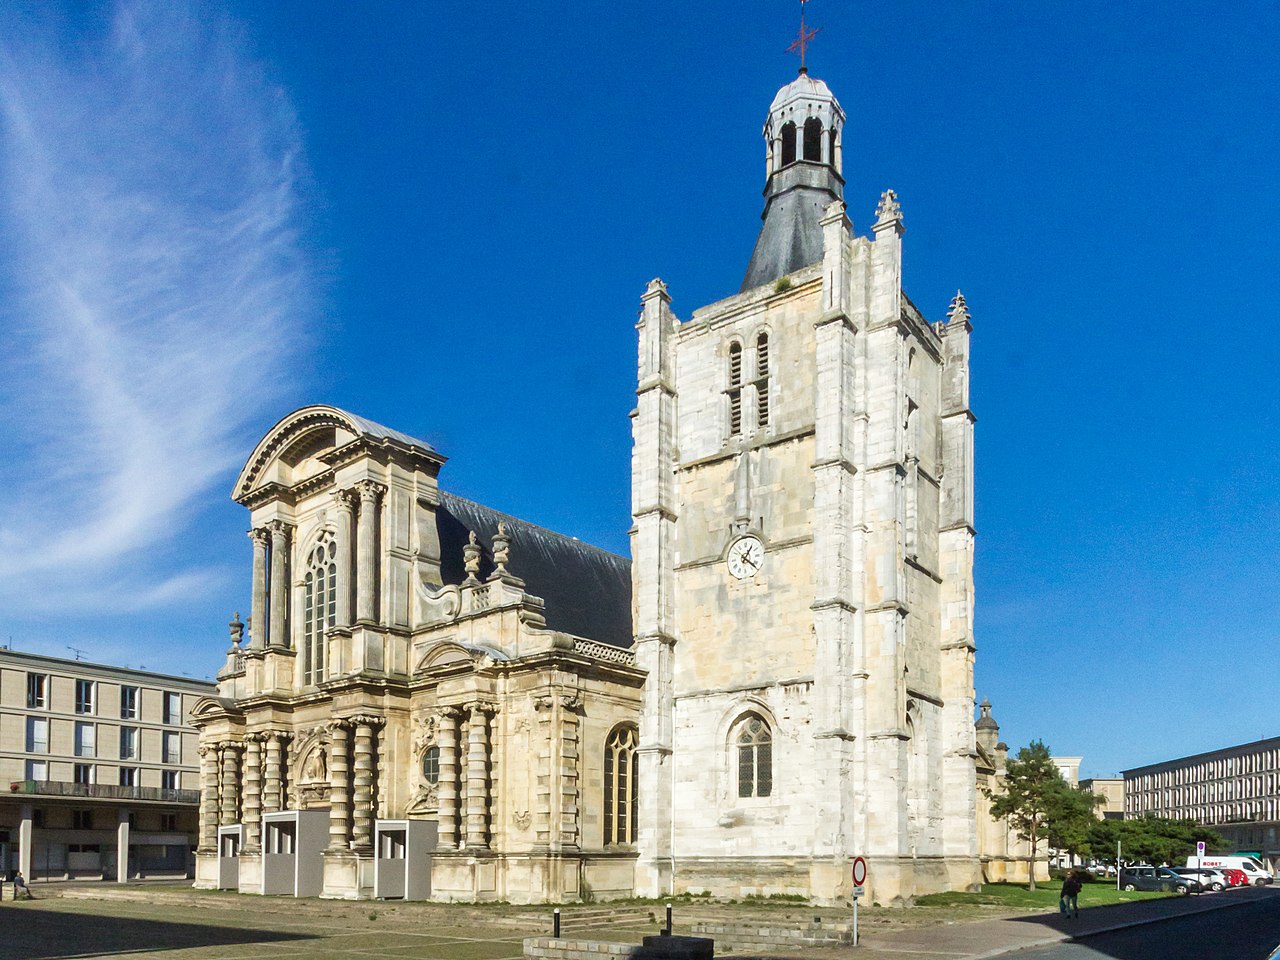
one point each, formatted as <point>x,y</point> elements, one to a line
<point>103,791</point>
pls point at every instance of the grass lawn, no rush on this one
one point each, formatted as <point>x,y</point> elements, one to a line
<point>1043,897</point>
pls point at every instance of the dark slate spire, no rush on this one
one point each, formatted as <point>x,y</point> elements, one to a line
<point>804,161</point>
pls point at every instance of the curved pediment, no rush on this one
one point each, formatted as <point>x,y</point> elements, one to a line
<point>213,708</point>
<point>452,653</point>
<point>299,447</point>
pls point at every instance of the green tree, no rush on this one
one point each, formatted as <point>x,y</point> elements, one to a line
<point>1031,793</point>
<point>1071,816</point>
<point>1151,839</point>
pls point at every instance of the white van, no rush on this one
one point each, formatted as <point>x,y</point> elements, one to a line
<point>1255,871</point>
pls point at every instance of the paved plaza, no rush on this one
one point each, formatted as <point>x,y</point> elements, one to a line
<point>176,923</point>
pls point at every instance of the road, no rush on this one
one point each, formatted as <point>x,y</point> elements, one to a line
<point>1245,932</point>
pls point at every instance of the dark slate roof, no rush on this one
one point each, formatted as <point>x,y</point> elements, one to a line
<point>587,590</point>
<point>796,198</point>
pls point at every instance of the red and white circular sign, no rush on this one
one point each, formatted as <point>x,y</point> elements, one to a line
<point>859,871</point>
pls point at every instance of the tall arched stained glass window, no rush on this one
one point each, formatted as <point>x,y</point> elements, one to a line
<point>319,605</point>
<point>753,741</point>
<point>620,787</point>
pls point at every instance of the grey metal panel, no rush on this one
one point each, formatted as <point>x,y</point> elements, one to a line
<point>796,199</point>
<point>587,590</point>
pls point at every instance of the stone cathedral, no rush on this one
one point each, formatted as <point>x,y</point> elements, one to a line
<point>436,700</point>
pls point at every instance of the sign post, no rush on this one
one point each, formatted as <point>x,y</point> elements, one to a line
<point>1199,858</point>
<point>859,878</point>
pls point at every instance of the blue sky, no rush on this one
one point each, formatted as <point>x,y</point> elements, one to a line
<point>442,216</point>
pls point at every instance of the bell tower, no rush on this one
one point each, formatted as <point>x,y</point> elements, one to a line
<point>803,156</point>
<point>802,557</point>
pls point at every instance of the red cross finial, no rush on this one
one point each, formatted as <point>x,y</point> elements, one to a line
<point>802,39</point>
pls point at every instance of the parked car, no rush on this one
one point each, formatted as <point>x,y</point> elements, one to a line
<point>1252,868</point>
<point>1235,878</point>
<point>1209,878</point>
<point>1145,877</point>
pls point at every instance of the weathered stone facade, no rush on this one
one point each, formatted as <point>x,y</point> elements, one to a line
<point>400,666</point>
<point>802,488</point>
<point>782,679</point>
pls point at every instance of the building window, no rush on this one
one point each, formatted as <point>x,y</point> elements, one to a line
<point>128,703</point>
<point>735,389</point>
<point>81,819</point>
<point>128,776</point>
<point>762,380</point>
<point>84,774</point>
<point>37,691</point>
<point>168,823</point>
<point>620,785</point>
<point>128,743</point>
<point>168,779</point>
<point>84,696</point>
<point>173,709</point>
<point>86,739</point>
<point>319,605</point>
<point>37,770</point>
<point>171,749</point>
<point>37,735</point>
<point>754,743</point>
<point>431,765</point>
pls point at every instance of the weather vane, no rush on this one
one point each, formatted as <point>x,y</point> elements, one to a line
<point>802,39</point>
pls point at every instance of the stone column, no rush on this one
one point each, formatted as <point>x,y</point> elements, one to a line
<point>252,793</point>
<point>208,799</point>
<point>362,826</point>
<point>271,798</point>
<point>26,840</point>
<point>366,545</point>
<point>258,614</point>
<point>276,636</point>
<point>477,832</point>
<point>344,501</point>
<point>339,787</point>
<point>447,793</point>
<point>230,783</point>
<point>122,847</point>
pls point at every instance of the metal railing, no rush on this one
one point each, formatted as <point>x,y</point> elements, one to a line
<point>103,791</point>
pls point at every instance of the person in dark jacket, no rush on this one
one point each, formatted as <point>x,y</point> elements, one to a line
<point>1069,900</point>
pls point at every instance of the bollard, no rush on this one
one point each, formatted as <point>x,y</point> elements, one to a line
<point>555,924</point>
<point>668,930</point>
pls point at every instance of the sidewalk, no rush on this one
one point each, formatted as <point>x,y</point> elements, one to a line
<point>990,938</point>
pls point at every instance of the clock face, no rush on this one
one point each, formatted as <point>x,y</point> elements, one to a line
<point>746,556</point>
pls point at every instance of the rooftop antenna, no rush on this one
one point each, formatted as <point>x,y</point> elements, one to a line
<point>79,654</point>
<point>801,42</point>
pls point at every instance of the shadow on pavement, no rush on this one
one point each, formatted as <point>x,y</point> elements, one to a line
<point>35,934</point>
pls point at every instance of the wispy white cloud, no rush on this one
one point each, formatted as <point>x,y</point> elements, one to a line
<point>152,282</point>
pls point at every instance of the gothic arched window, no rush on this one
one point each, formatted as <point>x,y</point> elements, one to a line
<point>319,605</point>
<point>788,143</point>
<point>735,388</point>
<point>753,741</point>
<point>762,380</point>
<point>813,139</point>
<point>620,786</point>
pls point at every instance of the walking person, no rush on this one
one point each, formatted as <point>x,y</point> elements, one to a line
<point>1069,899</point>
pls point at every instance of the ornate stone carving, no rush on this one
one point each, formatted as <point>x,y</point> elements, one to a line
<point>889,209</point>
<point>471,558</point>
<point>501,550</point>
<point>424,734</point>
<point>522,819</point>
<point>442,606</point>
<point>959,312</point>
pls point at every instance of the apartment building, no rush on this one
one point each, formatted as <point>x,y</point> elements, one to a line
<point>1235,790</point>
<point>102,768</point>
